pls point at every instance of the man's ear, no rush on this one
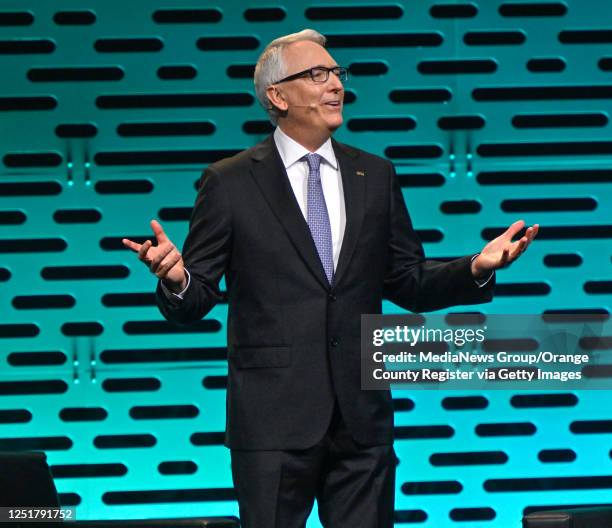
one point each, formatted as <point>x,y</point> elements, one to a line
<point>276,98</point>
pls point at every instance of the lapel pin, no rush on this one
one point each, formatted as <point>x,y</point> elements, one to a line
<point>360,173</point>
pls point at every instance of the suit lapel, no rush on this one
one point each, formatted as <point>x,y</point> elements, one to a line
<point>354,185</point>
<point>271,177</point>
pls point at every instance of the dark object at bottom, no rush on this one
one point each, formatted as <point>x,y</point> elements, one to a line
<point>196,522</point>
<point>592,517</point>
<point>25,480</point>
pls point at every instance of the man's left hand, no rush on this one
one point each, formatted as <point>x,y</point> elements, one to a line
<point>501,251</point>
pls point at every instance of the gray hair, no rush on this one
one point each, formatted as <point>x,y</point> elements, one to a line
<point>271,67</point>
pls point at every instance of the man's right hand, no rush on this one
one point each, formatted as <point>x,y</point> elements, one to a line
<point>164,260</point>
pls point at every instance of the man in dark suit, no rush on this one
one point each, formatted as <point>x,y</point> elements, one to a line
<point>310,234</point>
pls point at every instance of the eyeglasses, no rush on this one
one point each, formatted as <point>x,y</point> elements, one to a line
<point>318,74</point>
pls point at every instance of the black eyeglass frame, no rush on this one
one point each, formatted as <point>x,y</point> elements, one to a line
<point>339,71</point>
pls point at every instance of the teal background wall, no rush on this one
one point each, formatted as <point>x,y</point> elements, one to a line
<point>491,111</point>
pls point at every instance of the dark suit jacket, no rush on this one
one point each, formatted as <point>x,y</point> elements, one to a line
<point>294,341</point>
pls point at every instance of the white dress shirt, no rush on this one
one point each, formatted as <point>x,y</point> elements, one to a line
<point>291,152</point>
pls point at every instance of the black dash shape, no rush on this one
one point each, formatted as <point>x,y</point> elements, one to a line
<point>88,470</point>
<point>456,67</point>
<point>528,401</point>
<point>128,45</point>
<point>538,177</point>
<point>177,100</point>
<point>265,14</point>
<point>506,429</point>
<point>124,441</point>
<point>33,245</point>
<point>26,46</point>
<point>413,432</point>
<point>562,260</point>
<point>385,40</point>
<point>13,388</point>
<point>83,414</point>
<point>9,416</point>
<point>176,72</point>
<point>33,159</point>
<point>84,272</point>
<point>546,65</point>
<point>187,16</point>
<point>432,487</point>
<point>43,302</point>
<point>556,455</point>
<point>361,12</point>
<point>159,412</point>
<point>169,496</point>
<point>466,10</point>
<point>533,9</point>
<point>124,186</point>
<point>12,217</point>
<point>74,18</point>
<point>543,484</point>
<point>39,443</point>
<point>131,384</point>
<point>164,327</point>
<point>227,43</point>
<point>27,104</point>
<point>494,38</point>
<point>77,216</point>
<point>433,95</point>
<point>16,18</point>
<point>178,467</point>
<point>83,74</point>
<point>461,403</point>
<point>82,329</point>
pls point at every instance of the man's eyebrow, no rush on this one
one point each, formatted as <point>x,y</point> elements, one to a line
<point>323,66</point>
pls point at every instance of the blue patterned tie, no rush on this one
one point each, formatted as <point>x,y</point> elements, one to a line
<point>317,217</point>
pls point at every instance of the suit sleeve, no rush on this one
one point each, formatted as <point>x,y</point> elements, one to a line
<point>421,285</point>
<point>206,254</point>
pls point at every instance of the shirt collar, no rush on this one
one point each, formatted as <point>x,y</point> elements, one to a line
<point>291,151</point>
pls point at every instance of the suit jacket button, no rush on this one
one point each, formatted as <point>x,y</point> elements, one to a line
<point>334,342</point>
<point>331,297</point>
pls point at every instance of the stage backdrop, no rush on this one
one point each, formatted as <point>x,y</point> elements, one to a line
<point>491,111</point>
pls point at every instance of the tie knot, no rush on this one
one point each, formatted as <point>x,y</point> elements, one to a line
<point>313,160</point>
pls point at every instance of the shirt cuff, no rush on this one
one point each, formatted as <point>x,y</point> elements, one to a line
<point>180,294</point>
<point>482,282</point>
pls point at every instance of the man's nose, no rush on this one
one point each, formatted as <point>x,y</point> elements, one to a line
<point>335,83</point>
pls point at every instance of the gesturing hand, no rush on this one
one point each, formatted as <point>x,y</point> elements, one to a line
<point>164,260</point>
<point>501,251</point>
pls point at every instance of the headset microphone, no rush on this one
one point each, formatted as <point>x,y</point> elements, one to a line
<point>311,105</point>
